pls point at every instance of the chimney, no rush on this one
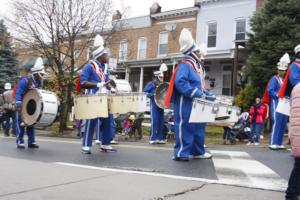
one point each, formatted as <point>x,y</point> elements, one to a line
<point>155,8</point>
<point>116,16</point>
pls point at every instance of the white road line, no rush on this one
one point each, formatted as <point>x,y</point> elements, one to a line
<point>220,181</point>
<point>233,167</point>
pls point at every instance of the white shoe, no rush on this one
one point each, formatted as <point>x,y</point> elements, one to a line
<point>249,143</point>
<point>114,142</point>
<point>281,147</point>
<point>161,142</point>
<point>261,137</point>
<point>205,146</point>
<point>204,156</point>
<point>256,143</point>
<point>274,147</point>
<point>152,142</point>
<point>86,150</point>
<point>107,148</point>
<point>98,142</point>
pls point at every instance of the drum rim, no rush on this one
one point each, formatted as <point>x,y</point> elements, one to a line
<point>42,107</point>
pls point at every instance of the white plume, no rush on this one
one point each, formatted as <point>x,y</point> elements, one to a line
<point>285,59</point>
<point>98,41</point>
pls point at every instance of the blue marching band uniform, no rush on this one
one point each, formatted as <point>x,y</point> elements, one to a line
<point>157,114</point>
<point>186,84</point>
<point>104,125</point>
<point>97,73</point>
<point>26,83</point>
<point>279,121</point>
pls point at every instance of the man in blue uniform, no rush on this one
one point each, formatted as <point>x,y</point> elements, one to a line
<point>188,80</point>
<point>157,113</point>
<point>279,121</point>
<point>26,83</point>
<point>95,79</point>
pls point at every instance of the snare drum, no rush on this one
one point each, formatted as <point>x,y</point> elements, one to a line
<point>127,102</point>
<point>91,106</point>
<point>223,99</point>
<point>203,111</point>
<point>284,106</point>
<point>39,108</point>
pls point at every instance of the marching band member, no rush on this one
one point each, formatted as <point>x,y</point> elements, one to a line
<point>185,85</point>
<point>279,121</point>
<point>95,79</point>
<point>9,112</point>
<point>157,114</point>
<point>26,83</point>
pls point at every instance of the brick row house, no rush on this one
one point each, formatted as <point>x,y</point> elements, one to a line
<point>145,42</point>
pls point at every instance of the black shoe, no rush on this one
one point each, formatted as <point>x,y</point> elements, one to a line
<point>20,146</point>
<point>6,135</point>
<point>33,146</point>
<point>180,159</point>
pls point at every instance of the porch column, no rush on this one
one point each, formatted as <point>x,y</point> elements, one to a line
<point>235,68</point>
<point>127,70</point>
<point>141,79</point>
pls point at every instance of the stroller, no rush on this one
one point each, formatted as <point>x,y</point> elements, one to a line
<point>240,129</point>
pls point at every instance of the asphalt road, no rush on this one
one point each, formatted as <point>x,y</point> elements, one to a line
<point>248,168</point>
<point>142,157</point>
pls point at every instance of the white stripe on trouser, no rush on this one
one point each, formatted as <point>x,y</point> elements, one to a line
<point>274,123</point>
<point>151,112</point>
<point>87,132</point>
<point>180,126</point>
<point>194,92</point>
<point>18,127</point>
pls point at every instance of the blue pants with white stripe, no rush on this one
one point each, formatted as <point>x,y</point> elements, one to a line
<point>20,130</point>
<point>279,123</point>
<point>190,137</point>
<point>104,126</point>
<point>112,126</point>
<point>157,122</point>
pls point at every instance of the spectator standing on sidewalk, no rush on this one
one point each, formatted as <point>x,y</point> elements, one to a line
<point>256,120</point>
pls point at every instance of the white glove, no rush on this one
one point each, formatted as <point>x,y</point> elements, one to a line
<point>113,90</point>
<point>100,84</point>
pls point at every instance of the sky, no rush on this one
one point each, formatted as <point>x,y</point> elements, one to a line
<point>133,7</point>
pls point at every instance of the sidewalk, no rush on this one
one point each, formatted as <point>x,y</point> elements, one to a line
<point>31,180</point>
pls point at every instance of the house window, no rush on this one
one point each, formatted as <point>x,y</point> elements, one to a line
<point>163,43</point>
<point>240,33</point>
<point>212,35</point>
<point>123,50</point>
<point>142,49</point>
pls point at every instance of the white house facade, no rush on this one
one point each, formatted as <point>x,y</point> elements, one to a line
<point>222,27</point>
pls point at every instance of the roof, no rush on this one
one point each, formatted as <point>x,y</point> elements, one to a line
<point>176,13</point>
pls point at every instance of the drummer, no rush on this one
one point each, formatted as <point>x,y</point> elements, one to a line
<point>279,121</point>
<point>26,83</point>
<point>185,85</point>
<point>157,114</point>
<point>95,79</point>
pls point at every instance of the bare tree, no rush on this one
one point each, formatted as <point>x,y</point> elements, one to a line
<point>61,30</point>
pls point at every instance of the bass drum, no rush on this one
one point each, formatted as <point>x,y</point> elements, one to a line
<point>39,108</point>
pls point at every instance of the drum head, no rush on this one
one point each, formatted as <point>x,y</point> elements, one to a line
<point>160,95</point>
<point>31,107</point>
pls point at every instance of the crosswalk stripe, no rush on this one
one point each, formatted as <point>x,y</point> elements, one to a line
<point>239,168</point>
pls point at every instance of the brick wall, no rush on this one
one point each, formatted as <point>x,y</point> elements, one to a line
<point>152,35</point>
